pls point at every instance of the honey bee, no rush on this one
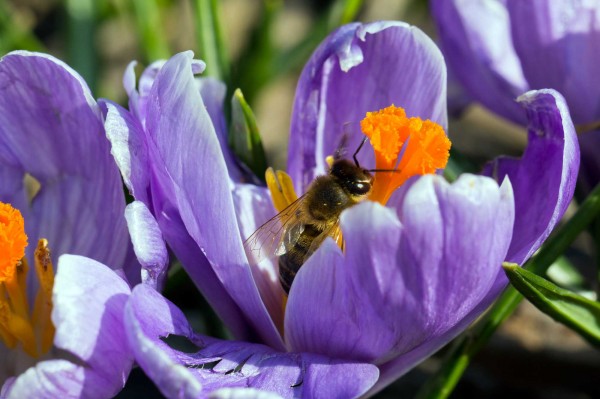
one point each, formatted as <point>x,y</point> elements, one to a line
<point>297,232</point>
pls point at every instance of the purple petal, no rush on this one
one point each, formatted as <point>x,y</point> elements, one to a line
<point>558,43</point>
<point>213,93</point>
<point>8,382</point>
<point>476,39</point>
<point>242,393</point>
<point>138,99</point>
<point>148,243</point>
<point>553,144</point>
<point>129,148</point>
<point>12,189</point>
<point>132,269</point>
<point>188,162</point>
<point>253,206</point>
<point>88,308</point>
<point>234,364</point>
<point>402,281</point>
<point>53,379</point>
<point>201,272</point>
<point>51,128</point>
<point>358,69</point>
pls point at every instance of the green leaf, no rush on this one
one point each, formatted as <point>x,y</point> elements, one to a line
<point>564,306</point>
<point>343,12</point>
<point>210,40</point>
<point>245,137</point>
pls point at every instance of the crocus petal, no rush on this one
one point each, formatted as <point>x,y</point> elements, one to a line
<point>52,379</point>
<point>148,243</point>
<point>138,99</point>
<point>89,301</point>
<point>213,93</point>
<point>51,128</point>
<point>355,70</point>
<point>188,162</point>
<point>150,317</point>
<point>253,207</point>
<point>7,382</point>
<point>558,43</point>
<point>544,176</point>
<point>128,148</point>
<point>475,36</point>
<point>12,190</point>
<point>88,310</point>
<point>242,393</point>
<point>447,245</point>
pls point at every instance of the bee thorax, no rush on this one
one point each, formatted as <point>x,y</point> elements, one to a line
<point>327,201</point>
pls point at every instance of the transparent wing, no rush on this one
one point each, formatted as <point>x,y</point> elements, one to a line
<point>277,236</point>
<point>334,231</point>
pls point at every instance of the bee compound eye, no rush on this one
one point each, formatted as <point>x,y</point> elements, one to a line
<point>361,187</point>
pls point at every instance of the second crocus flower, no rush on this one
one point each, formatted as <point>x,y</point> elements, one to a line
<point>60,335</point>
<point>414,273</point>
<point>498,49</point>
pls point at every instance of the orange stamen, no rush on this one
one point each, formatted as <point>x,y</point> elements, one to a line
<point>12,241</point>
<point>422,146</point>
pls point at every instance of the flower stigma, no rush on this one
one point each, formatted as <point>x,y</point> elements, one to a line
<point>406,146</point>
<point>33,330</point>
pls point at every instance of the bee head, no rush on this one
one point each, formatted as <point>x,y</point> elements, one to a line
<point>354,179</point>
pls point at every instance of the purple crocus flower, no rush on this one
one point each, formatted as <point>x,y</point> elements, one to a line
<point>413,274</point>
<point>499,49</point>
<point>60,336</point>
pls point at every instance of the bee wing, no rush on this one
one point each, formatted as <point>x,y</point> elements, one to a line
<point>334,231</point>
<point>276,236</point>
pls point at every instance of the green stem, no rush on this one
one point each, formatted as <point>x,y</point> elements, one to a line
<point>210,39</point>
<point>149,25</point>
<point>466,346</point>
<point>81,29</point>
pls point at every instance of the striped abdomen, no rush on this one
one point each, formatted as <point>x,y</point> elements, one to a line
<point>290,262</point>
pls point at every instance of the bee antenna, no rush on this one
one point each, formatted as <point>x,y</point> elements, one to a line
<point>357,150</point>
<point>384,170</point>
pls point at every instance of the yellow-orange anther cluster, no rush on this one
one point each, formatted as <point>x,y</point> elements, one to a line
<point>12,241</point>
<point>32,329</point>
